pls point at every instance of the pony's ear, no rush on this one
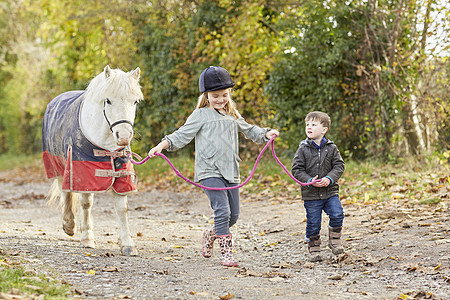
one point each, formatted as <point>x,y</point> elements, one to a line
<point>107,71</point>
<point>136,73</point>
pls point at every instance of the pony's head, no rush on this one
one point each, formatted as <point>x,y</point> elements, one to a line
<point>118,92</point>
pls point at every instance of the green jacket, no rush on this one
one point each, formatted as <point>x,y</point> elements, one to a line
<point>216,142</point>
<point>326,162</point>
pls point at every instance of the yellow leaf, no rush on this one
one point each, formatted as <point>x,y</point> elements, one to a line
<point>403,296</point>
<point>438,266</point>
<point>90,272</point>
<point>226,296</point>
<point>178,246</point>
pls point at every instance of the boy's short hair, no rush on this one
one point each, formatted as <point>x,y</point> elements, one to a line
<point>322,117</point>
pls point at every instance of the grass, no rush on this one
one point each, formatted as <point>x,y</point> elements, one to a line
<point>369,181</point>
<point>366,182</point>
<point>11,161</point>
<point>14,279</point>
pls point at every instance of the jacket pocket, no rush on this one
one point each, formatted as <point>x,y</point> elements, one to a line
<point>208,152</point>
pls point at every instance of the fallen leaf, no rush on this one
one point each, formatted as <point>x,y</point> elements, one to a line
<point>226,296</point>
<point>335,277</point>
<point>111,269</point>
<point>309,265</point>
<point>276,279</point>
<point>403,296</point>
<point>281,265</point>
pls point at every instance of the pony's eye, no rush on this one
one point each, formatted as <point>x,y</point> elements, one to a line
<point>108,101</point>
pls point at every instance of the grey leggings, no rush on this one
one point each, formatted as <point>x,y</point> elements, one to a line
<point>224,203</point>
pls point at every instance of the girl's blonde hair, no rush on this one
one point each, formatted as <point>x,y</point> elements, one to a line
<point>230,107</point>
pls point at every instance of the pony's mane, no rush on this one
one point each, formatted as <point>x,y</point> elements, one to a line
<point>119,85</point>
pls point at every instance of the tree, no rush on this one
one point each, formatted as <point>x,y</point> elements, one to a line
<point>365,63</point>
<point>179,39</point>
<point>315,72</point>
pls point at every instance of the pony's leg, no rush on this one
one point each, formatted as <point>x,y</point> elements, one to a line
<point>87,234</point>
<point>67,199</point>
<point>127,246</point>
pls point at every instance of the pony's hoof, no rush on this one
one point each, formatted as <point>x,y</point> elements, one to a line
<point>69,229</point>
<point>129,251</point>
<point>88,244</point>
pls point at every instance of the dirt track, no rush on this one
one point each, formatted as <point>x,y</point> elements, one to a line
<point>390,253</point>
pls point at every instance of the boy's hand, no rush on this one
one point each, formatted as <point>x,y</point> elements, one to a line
<point>322,183</point>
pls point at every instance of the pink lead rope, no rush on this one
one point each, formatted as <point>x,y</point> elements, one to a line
<point>271,142</point>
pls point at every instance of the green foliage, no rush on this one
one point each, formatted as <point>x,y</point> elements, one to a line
<point>369,64</point>
<point>364,64</point>
<point>315,72</point>
<point>176,48</point>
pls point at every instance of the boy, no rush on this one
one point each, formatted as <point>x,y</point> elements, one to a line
<point>318,157</point>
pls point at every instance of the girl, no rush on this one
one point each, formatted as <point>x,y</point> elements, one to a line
<point>215,124</point>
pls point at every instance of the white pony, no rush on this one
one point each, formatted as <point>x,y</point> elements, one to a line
<point>86,137</point>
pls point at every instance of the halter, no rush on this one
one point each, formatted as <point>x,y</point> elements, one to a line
<point>115,123</point>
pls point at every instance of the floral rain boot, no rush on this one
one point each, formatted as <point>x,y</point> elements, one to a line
<point>209,236</point>
<point>334,241</point>
<point>314,248</point>
<point>226,248</point>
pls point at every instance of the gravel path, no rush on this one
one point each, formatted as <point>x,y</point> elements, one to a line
<point>391,252</point>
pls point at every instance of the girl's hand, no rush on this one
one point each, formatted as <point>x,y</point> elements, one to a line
<point>154,150</point>
<point>160,147</point>
<point>271,133</point>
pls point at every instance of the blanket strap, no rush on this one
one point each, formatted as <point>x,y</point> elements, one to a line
<point>111,173</point>
<point>113,154</point>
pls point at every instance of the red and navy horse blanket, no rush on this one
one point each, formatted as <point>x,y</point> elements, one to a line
<point>83,166</point>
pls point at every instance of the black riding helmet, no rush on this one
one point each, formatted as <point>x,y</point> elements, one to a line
<point>214,79</point>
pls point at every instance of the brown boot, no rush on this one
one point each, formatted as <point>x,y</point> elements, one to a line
<point>226,248</point>
<point>209,236</point>
<point>314,248</point>
<point>334,241</point>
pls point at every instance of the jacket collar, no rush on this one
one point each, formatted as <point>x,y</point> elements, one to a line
<point>310,142</point>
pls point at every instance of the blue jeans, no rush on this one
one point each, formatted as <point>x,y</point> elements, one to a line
<point>224,203</point>
<point>331,206</point>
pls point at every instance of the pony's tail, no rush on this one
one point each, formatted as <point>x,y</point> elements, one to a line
<point>55,192</point>
<point>68,202</point>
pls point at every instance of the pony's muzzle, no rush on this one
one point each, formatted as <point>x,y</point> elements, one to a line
<point>123,136</point>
